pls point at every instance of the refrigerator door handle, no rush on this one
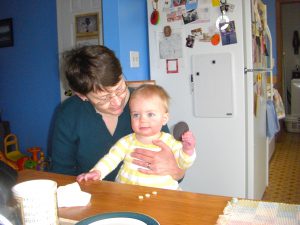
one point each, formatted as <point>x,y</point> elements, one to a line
<point>192,83</point>
<point>246,70</point>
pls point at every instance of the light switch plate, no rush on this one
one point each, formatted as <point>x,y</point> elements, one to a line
<point>134,59</point>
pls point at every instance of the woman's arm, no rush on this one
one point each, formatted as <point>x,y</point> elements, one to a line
<point>63,148</point>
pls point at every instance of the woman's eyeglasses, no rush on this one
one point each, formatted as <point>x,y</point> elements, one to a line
<point>119,92</point>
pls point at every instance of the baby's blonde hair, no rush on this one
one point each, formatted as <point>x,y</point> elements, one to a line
<point>151,90</point>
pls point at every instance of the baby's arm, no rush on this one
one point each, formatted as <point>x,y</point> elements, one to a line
<point>188,143</point>
<point>92,175</point>
<point>106,164</point>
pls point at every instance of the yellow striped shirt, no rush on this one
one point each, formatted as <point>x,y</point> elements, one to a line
<point>129,173</point>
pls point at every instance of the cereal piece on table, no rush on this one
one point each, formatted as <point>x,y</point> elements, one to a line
<point>154,192</point>
<point>141,197</point>
<point>147,195</point>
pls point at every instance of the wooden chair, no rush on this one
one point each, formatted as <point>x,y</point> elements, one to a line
<point>11,148</point>
<point>136,83</point>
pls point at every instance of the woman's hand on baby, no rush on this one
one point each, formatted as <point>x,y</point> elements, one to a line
<point>158,163</point>
<point>188,142</point>
<point>93,175</point>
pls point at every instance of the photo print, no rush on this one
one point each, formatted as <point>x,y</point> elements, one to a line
<point>197,33</point>
<point>175,14</point>
<point>228,34</point>
<point>201,35</point>
<point>176,3</point>
<point>170,47</point>
<point>190,16</point>
<point>190,40</point>
<point>191,4</point>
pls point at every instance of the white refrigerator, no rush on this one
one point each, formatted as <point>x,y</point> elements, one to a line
<point>214,66</point>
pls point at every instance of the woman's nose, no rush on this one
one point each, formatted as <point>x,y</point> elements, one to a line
<point>115,100</point>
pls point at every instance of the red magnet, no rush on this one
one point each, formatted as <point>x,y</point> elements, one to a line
<point>154,17</point>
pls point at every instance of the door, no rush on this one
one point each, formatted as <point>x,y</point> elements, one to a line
<point>68,12</point>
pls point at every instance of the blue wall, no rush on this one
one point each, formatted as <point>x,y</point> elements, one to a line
<point>29,79</point>
<point>125,30</point>
<point>110,11</point>
<point>134,37</point>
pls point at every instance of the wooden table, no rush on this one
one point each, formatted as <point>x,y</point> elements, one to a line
<point>167,207</point>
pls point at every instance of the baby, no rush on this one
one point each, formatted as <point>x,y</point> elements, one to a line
<point>149,112</point>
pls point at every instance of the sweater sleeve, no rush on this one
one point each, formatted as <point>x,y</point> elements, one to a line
<point>184,160</point>
<point>63,147</point>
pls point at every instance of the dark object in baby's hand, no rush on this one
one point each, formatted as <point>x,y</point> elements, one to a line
<point>179,129</point>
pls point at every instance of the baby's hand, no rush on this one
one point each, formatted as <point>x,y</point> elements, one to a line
<point>93,175</point>
<point>188,142</point>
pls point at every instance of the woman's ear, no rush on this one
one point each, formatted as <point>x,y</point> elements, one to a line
<point>83,97</point>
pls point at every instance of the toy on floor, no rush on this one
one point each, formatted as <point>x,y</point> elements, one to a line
<point>37,160</point>
<point>20,161</point>
<point>7,161</point>
<point>11,148</point>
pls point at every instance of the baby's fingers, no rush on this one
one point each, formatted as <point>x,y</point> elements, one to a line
<point>188,136</point>
<point>80,177</point>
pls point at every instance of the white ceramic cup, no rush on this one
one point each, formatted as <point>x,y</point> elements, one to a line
<point>37,202</point>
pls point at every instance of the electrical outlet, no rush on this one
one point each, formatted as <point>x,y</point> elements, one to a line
<point>134,59</point>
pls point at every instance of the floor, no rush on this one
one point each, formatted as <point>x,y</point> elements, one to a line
<point>284,170</point>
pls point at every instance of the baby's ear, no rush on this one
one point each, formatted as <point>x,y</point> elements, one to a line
<point>165,118</point>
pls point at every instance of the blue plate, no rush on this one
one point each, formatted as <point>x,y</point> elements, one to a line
<point>118,215</point>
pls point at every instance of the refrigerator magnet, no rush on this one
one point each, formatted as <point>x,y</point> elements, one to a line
<point>215,3</point>
<point>190,40</point>
<point>172,65</point>
<point>228,35</point>
<point>154,19</point>
<point>167,31</point>
<point>215,39</point>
